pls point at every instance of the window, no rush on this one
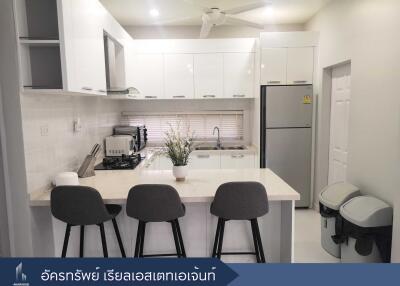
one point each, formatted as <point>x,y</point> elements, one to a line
<point>201,124</point>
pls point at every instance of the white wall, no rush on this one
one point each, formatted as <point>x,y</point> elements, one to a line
<point>192,32</point>
<point>367,33</point>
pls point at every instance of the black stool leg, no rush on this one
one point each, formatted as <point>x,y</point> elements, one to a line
<point>142,239</point>
<point>260,247</point>
<point>221,238</point>
<point>103,240</point>
<point>178,228</point>
<point>121,246</point>
<point>214,253</point>
<point>82,241</point>
<point>138,237</point>
<point>255,240</point>
<point>66,239</point>
<point>174,232</point>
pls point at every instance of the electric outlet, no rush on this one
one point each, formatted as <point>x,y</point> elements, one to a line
<point>44,130</point>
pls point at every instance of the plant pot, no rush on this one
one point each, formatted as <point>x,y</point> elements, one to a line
<point>180,172</point>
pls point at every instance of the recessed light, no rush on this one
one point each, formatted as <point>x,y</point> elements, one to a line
<point>154,13</point>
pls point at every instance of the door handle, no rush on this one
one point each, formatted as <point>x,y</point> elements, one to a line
<point>101,90</point>
<point>178,96</point>
<point>239,95</point>
<point>237,156</point>
<point>300,81</point>
<point>87,88</point>
<point>203,156</point>
<point>274,81</point>
<point>150,96</point>
<point>209,95</point>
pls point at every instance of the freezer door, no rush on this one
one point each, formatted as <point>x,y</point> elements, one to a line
<point>289,106</point>
<point>288,154</point>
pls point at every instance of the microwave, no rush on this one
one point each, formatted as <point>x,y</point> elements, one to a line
<point>118,145</point>
<point>137,132</point>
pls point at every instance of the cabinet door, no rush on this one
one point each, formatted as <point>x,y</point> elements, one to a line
<point>85,58</point>
<point>300,65</point>
<point>237,161</point>
<point>208,75</point>
<point>178,76</point>
<point>204,161</point>
<point>238,75</point>
<point>146,73</point>
<point>273,66</point>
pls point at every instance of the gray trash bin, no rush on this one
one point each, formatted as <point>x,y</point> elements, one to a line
<point>366,230</point>
<point>330,200</point>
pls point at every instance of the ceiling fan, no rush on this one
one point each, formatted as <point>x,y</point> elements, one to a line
<point>215,16</point>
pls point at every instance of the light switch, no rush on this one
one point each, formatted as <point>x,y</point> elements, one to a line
<point>44,130</point>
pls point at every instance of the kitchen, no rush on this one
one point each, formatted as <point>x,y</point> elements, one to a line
<point>85,68</point>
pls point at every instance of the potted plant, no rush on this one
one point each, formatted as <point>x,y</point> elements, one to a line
<point>178,148</point>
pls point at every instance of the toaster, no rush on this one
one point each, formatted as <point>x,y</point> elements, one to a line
<point>118,145</point>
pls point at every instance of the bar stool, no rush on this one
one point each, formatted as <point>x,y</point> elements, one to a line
<point>156,203</point>
<point>239,201</point>
<point>81,206</point>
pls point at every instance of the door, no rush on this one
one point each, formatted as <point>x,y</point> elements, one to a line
<point>237,161</point>
<point>300,65</point>
<point>200,160</point>
<point>289,106</point>
<point>208,75</point>
<point>288,154</point>
<point>146,73</point>
<point>238,75</point>
<point>340,112</point>
<point>273,66</point>
<point>179,76</point>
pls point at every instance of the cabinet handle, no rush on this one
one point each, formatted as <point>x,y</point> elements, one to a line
<point>209,95</point>
<point>274,81</point>
<point>239,95</point>
<point>300,81</point>
<point>237,156</point>
<point>87,88</point>
<point>150,96</point>
<point>203,156</point>
<point>102,90</point>
<point>178,96</point>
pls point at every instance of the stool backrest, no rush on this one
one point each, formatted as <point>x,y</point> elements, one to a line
<point>154,203</point>
<point>240,201</point>
<point>78,205</point>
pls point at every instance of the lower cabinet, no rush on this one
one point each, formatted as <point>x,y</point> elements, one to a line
<point>204,161</point>
<point>237,161</point>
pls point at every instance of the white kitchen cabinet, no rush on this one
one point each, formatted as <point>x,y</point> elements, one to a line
<point>204,160</point>
<point>273,66</point>
<point>146,73</point>
<point>238,75</point>
<point>178,74</point>
<point>300,65</point>
<point>237,160</point>
<point>84,46</point>
<point>208,75</point>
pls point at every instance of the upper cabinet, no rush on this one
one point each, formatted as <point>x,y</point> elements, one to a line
<point>178,74</point>
<point>300,65</point>
<point>238,75</point>
<point>208,75</point>
<point>287,66</point>
<point>146,73</point>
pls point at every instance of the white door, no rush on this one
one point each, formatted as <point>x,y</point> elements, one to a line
<point>208,75</point>
<point>300,65</point>
<point>273,66</point>
<point>237,160</point>
<point>179,76</point>
<point>238,75</point>
<point>340,112</point>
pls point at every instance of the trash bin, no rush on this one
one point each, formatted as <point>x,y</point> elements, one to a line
<point>330,201</point>
<point>366,230</point>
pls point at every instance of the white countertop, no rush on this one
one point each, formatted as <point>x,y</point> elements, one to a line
<point>199,186</point>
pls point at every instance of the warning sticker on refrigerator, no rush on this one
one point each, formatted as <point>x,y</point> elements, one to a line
<point>307,99</point>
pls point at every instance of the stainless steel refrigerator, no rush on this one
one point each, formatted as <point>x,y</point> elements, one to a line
<point>286,136</point>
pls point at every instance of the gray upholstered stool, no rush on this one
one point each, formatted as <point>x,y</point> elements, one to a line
<point>79,205</point>
<point>239,201</point>
<point>156,203</point>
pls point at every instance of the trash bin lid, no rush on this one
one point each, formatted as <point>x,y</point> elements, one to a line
<point>367,211</point>
<point>333,196</point>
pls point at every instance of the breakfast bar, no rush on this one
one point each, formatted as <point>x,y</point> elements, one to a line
<point>198,225</point>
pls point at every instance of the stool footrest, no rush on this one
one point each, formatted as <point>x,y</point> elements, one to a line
<point>160,255</point>
<point>238,253</point>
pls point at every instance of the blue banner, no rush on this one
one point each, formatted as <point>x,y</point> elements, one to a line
<point>116,271</point>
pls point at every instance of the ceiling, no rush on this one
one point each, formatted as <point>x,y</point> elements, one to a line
<point>181,12</point>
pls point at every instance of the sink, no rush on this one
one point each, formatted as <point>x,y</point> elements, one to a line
<point>241,147</point>
<point>206,148</point>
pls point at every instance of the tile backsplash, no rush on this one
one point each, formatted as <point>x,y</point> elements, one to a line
<point>51,145</point>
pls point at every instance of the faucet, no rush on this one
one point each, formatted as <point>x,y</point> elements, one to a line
<point>219,138</point>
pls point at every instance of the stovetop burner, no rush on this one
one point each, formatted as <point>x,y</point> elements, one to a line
<point>120,163</point>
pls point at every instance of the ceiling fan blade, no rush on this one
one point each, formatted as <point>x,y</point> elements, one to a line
<point>175,21</point>
<point>240,22</point>
<point>203,8</point>
<point>205,28</point>
<point>247,7</point>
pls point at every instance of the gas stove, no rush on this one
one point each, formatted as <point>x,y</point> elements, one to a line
<point>123,162</point>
